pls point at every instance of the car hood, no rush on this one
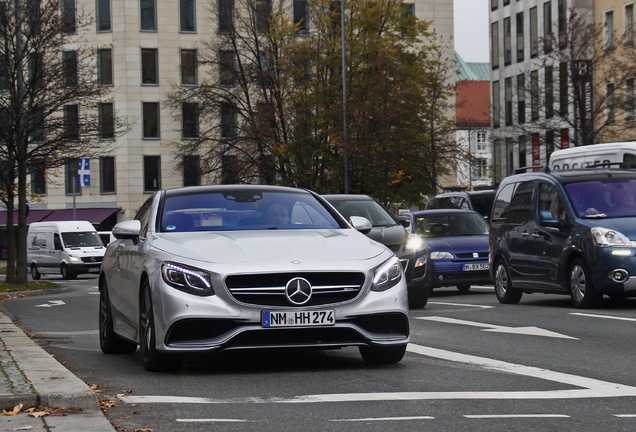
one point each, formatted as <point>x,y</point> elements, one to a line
<point>625,225</point>
<point>458,244</point>
<point>272,245</point>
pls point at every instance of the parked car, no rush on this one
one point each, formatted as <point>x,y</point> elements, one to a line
<point>480,201</point>
<point>565,232</point>
<point>67,248</point>
<point>456,246</point>
<point>391,233</point>
<point>213,268</point>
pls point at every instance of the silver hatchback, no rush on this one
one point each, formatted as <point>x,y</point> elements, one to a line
<point>213,268</point>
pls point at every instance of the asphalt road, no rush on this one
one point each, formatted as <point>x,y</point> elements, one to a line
<point>473,364</point>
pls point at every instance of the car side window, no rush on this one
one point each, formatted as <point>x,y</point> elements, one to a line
<point>143,215</point>
<point>462,203</point>
<point>520,205</point>
<point>550,205</point>
<point>501,206</point>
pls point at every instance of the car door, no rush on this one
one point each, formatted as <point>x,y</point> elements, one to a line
<point>517,235</point>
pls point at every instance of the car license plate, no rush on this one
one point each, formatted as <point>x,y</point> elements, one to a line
<point>476,266</point>
<point>298,318</point>
<point>93,269</point>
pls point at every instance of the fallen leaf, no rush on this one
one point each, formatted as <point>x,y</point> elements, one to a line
<point>37,414</point>
<point>15,411</point>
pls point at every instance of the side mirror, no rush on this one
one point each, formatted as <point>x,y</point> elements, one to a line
<point>361,224</point>
<point>546,218</point>
<point>127,230</point>
<point>405,221</point>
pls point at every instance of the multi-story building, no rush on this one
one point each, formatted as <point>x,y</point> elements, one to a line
<point>474,166</point>
<point>143,49</point>
<point>532,104</point>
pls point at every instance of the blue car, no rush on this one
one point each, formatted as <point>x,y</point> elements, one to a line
<point>456,243</point>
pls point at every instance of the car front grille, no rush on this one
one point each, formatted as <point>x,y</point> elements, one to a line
<point>471,255</point>
<point>269,289</point>
<point>92,259</point>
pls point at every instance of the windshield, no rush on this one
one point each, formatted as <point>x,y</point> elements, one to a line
<point>244,210</point>
<point>368,209</point>
<point>449,225</point>
<point>599,199</point>
<point>81,239</point>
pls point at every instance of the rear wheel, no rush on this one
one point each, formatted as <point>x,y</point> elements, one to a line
<point>35,274</point>
<point>463,287</point>
<point>109,341</point>
<point>152,359</point>
<point>383,355</point>
<point>506,294</point>
<point>582,290</point>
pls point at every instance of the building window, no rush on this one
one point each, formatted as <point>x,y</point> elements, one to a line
<point>149,66</point>
<point>191,170</point>
<point>69,16</point>
<point>227,72</point>
<point>69,60</point>
<point>508,100</point>
<point>521,98</point>
<point>481,168</point>
<point>494,4</point>
<point>563,23</point>
<point>229,169</point>
<point>610,95</point>
<point>534,33</point>
<point>408,10</point>
<point>301,16</point>
<point>549,143</point>
<point>549,91</point>
<point>608,29</point>
<point>148,11</point>
<point>482,143</point>
<point>152,173</point>
<point>520,38</point>
<point>71,179</point>
<point>38,179</point>
<point>494,49</point>
<point>187,15</point>
<point>151,120</point>
<point>523,153</point>
<point>262,15</point>
<point>106,121</point>
<point>103,15</point>
<point>36,67</point>
<point>507,41</point>
<point>37,125</point>
<point>547,27</point>
<point>495,105</point>
<point>105,66</point>
<point>107,175</point>
<point>190,119</point>
<point>228,120</point>
<point>226,16</point>
<point>629,99</point>
<point>71,122</point>
<point>563,89</point>
<point>629,24</point>
<point>189,67</point>
<point>534,95</point>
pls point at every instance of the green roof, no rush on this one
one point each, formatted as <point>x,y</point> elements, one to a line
<point>470,71</point>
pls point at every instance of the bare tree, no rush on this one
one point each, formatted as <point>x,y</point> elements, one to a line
<point>49,106</point>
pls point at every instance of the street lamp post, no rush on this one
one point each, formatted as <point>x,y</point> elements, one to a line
<point>345,138</point>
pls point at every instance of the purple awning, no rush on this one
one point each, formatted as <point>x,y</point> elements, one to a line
<point>93,215</point>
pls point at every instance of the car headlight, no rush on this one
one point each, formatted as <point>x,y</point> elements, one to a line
<point>387,275</point>
<point>607,237</point>
<point>188,279</point>
<point>441,255</point>
<point>73,258</point>
<point>414,243</point>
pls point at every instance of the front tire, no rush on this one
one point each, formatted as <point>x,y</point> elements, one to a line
<point>418,297</point>
<point>463,288</point>
<point>109,341</point>
<point>151,359</point>
<point>67,273</point>
<point>581,289</point>
<point>382,355</point>
<point>35,274</point>
<point>506,294</point>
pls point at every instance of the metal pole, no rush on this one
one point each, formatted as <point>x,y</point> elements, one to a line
<point>345,138</point>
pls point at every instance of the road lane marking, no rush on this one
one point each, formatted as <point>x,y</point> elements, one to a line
<point>507,416</point>
<point>214,421</point>
<point>625,415</point>
<point>603,316</point>
<point>51,303</point>
<point>462,304</point>
<point>528,331</point>
<point>587,387</point>
<point>384,419</point>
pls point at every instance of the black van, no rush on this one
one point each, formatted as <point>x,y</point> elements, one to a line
<point>565,232</point>
<point>479,201</point>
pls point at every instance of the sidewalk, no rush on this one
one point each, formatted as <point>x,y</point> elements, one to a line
<point>32,377</point>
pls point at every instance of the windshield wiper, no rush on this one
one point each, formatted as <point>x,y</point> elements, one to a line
<point>595,216</point>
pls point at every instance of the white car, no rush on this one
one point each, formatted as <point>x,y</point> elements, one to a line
<point>213,268</point>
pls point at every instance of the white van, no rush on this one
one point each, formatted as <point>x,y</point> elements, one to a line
<point>68,248</point>
<point>599,155</point>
